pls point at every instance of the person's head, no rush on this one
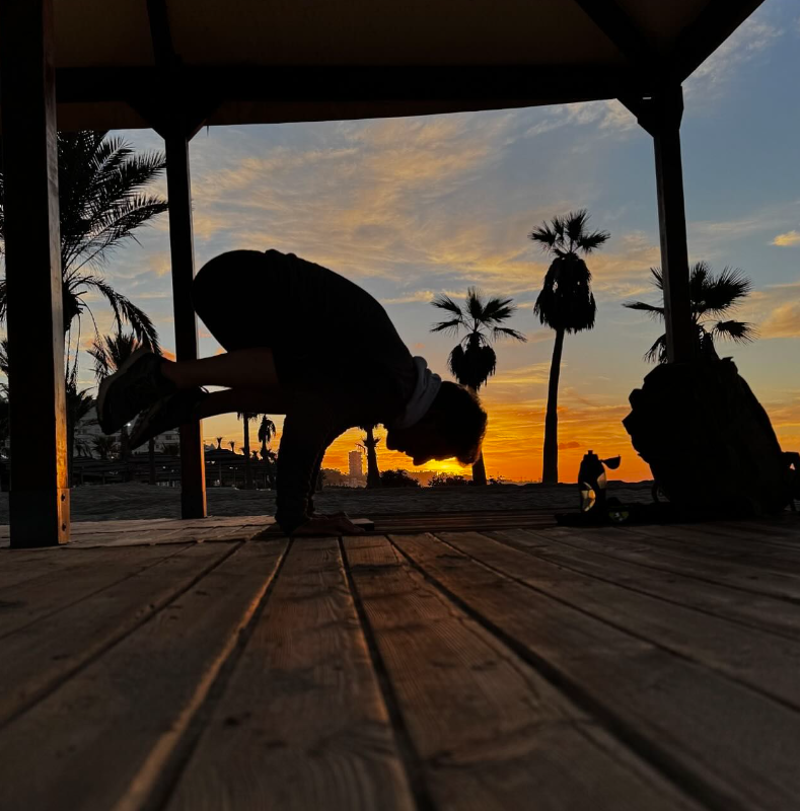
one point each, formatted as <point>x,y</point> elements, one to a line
<point>453,427</point>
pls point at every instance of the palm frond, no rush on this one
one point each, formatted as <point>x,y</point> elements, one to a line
<point>740,332</point>
<point>723,292</point>
<point>506,332</point>
<point>658,351</point>
<point>651,309</point>
<point>451,326</point>
<point>591,242</point>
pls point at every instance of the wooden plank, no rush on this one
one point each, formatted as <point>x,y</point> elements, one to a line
<point>302,723</point>
<point>764,662</point>
<point>104,739</point>
<point>626,545</point>
<point>40,656</point>
<point>729,542</point>
<point>490,732</point>
<point>35,599</point>
<point>677,714</point>
<point>18,565</point>
<point>754,610</point>
<point>39,497</point>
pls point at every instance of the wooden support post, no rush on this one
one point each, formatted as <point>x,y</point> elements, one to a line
<point>39,498</point>
<point>181,242</point>
<point>664,125</point>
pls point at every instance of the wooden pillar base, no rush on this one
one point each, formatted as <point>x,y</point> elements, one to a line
<point>39,517</point>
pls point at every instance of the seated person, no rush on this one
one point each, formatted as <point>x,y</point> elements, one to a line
<point>307,343</point>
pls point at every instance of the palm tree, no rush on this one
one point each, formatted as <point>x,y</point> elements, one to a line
<point>710,297</point>
<point>219,443</point>
<point>565,304</point>
<point>105,446</point>
<point>369,445</point>
<point>102,202</point>
<point>473,360</point>
<point>266,430</point>
<point>109,353</point>
<point>232,444</point>
<point>246,417</point>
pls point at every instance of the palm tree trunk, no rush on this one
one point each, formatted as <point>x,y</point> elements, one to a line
<point>151,459</point>
<point>248,473</point>
<point>550,455</point>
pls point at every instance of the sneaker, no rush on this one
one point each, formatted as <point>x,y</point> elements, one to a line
<point>166,415</point>
<point>136,385</point>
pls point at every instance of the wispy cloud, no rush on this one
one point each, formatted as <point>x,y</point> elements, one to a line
<point>752,39</point>
<point>783,322</point>
<point>787,240</point>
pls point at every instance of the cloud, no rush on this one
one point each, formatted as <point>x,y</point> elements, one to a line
<point>783,322</point>
<point>411,298</point>
<point>610,116</point>
<point>753,38</point>
<point>789,239</point>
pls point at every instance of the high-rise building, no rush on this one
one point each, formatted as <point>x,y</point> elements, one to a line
<point>356,470</point>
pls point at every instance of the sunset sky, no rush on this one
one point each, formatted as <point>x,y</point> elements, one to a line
<point>409,208</point>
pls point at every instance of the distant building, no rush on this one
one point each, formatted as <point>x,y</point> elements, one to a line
<point>356,469</point>
<point>88,428</point>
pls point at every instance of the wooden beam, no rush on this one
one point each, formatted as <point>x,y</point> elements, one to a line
<point>664,113</point>
<point>531,84</point>
<point>39,498</point>
<point>181,243</point>
<point>620,29</point>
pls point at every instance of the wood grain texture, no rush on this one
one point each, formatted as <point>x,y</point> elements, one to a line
<point>32,600</point>
<point>41,654</point>
<point>753,610</point>
<point>764,662</point>
<point>302,723</point>
<point>491,733</point>
<point>730,746</point>
<point>695,563</point>
<point>103,739</point>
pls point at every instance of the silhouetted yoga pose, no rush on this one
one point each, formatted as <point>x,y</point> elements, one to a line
<point>324,353</point>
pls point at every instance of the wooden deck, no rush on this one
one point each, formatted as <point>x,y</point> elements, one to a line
<point>491,662</point>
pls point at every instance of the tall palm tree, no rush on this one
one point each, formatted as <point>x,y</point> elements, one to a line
<point>266,430</point>
<point>565,304</point>
<point>109,353</point>
<point>246,417</point>
<point>710,297</point>
<point>369,445</point>
<point>473,359</point>
<point>101,182</point>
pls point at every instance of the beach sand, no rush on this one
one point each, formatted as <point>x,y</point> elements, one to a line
<point>141,501</point>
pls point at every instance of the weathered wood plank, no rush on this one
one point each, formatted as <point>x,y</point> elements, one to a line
<point>755,610</point>
<point>784,585</point>
<point>103,739</point>
<point>302,723</point>
<point>18,565</point>
<point>491,733</point>
<point>38,656</point>
<point>32,600</point>
<point>728,745</point>
<point>764,662</point>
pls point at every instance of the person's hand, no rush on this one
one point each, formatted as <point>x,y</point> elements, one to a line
<point>328,525</point>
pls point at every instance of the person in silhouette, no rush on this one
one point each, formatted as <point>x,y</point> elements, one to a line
<point>313,346</point>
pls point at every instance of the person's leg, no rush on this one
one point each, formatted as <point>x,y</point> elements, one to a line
<point>252,369</point>
<point>232,401</point>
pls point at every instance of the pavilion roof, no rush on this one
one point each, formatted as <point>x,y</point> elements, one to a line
<point>252,61</point>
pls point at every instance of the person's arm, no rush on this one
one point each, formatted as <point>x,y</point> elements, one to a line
<point>306,435</point>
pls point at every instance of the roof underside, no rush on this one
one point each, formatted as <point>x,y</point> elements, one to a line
<point>264,61</point>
